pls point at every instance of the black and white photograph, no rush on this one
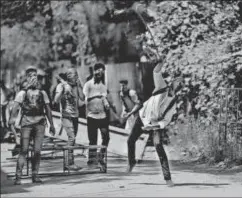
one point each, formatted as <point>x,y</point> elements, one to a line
<point>121,98</point>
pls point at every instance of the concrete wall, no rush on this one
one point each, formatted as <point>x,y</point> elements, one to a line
<point>116,72</point>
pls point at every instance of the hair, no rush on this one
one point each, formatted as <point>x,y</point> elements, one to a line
<point>99,66</point>
<point>30,69</point>
<point>123,82</point>
<point>63,76</point>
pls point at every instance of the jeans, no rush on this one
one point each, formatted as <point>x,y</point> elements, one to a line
<point>133,137</point>
<point>37,132</point>
<point>92,127</point>
<point>71,127</point>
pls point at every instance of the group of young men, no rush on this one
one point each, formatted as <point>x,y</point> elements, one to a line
<point>33,104</point>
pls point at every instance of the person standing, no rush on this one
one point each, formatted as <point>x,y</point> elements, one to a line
<point>97,107</point>
<point>68,94</point>
<point>35,105</point>
<point>131,103</point>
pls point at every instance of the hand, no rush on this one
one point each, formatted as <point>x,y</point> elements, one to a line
<point>11,122</point>
<point>126,116</point>
<point>18,140</point>
<point>150,127</point>
<point>52,130</point>
<point>106,103</point>
<point>114,109</point>
<point>107,107</point>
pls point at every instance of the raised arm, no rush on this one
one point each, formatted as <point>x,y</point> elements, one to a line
<point>14,113</point>
<point>59,92</point>
<point>137,102</point>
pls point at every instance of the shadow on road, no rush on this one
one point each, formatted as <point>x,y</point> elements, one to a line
<point>182,184</point>
<point>201,184</point>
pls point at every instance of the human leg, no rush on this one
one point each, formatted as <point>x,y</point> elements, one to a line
<point>162,155</point>
<point>92,136</point>
<point>24,141</point>
<point>38,135</point>
<point>134,135</point>
<point>71,131</point>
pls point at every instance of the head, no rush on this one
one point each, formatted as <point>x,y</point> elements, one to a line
<point>123,85</point>
<point>98,71</point>
<point>72,76</point>
<point>31,77</point>
<point>63,76</point>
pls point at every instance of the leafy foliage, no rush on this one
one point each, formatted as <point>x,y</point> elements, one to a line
<point>202,40</point>
<point>13,12</point>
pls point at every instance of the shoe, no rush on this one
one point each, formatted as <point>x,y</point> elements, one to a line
<point>169,183</point>
<point>74,167</point>
<point>130,167</point>
<point>17,181</point>
<point>36,179</point>
<point>92,164</point>
<point>101,161</point>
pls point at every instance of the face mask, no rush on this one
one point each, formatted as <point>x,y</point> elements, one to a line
<point>72,77</point>
<point>32,81</point>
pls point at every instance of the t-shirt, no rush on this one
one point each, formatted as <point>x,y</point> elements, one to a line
<point>154,108</point>
<point>32,95</point>
<point>69,100</point>
<point>95,98</point>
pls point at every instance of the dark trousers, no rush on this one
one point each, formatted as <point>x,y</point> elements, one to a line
<point>36,132</point>
<point>3,114</point>
<point>133,137</point>
<point>92,127</point>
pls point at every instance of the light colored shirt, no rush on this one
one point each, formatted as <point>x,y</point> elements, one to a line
<point>95,107</point>
<point>153,109</point>
<point>3,96</point>
<point>69,100</point>
<point>29,120</point>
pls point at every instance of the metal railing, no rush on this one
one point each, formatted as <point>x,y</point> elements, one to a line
<point>230,123</point>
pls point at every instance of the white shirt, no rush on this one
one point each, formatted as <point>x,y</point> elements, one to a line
<point>154,108</point>
<point>95,107</point>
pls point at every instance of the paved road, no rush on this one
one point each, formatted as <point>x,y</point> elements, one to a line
<point>145,181</point>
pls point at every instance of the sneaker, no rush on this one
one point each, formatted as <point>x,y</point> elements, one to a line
<point>17,181</point>
<point>74,167</point>
<point>92,164</point>
<point>130,167</point>
<point>169,183</point>
<point>36,179</point>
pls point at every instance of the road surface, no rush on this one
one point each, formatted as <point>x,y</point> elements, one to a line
<point>145,181</point>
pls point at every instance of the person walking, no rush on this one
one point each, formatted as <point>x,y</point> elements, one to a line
<point>34,105</point>
<point>68,94</point>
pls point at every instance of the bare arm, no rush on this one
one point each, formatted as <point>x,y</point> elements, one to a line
<point>57,97</point>
<point>58,94</point>
<point>80,91</point>
<point>14,113</point>
<point>138,103</point>
<point>49,117</point>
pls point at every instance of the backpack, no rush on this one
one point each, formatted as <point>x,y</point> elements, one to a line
<point>33,104</point>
